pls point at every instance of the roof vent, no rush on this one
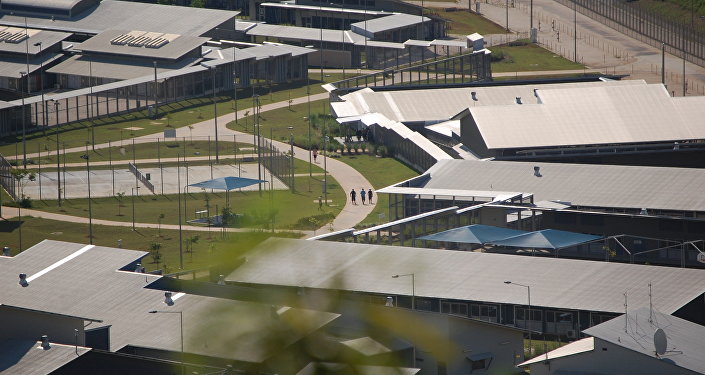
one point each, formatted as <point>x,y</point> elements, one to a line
<point>536,93</point>
<point>221,280</point>
<point>474,95</point>
<point>537,171</point>
<point>167,299</point>
<point>23,280</point>
<point>518,99</point>
<point>643,211</point>
<point>45,342</point>
<point>389,302</point>
<point>6,251</point>
<point>139,268</point>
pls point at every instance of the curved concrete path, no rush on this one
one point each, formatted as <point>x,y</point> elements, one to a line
<point>345,175</point>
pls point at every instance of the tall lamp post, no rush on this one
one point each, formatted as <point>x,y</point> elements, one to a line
<point>24,76</point>
<point>181,330</point>
<point>413,288</point>
<point>215,110</point>
<point>531,15</point>
<point>310,146</point>
<point>90,208</point>
<point>133,205</point>
<point>58,161</point>
<point>45,116</point>
<point>291,145</point>
<point>528,291</point>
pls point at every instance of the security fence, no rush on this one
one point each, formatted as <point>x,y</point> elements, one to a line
<point>278,163</point>
<point>679,38</point>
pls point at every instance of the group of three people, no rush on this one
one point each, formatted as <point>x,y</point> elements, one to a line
<point>363,194</point>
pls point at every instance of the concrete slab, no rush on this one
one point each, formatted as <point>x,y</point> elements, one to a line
<point>102,181</point>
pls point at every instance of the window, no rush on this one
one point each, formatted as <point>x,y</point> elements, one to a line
<point>484,312</point>
<point>455,308</point>
<point>536,315</point>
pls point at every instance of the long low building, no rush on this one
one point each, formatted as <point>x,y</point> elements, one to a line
<point>567,295</point>
<point>612,199</point>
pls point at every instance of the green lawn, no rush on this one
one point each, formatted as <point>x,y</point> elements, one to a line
<point>288,208</point>
<point>528,57</point>
<point>463,22</point>
<point>381,172</point>
<point>210,247</point>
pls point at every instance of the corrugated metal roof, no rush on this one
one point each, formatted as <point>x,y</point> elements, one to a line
<point>684,339</point>
<point>26,357</point>
<point>91,285</point>
<point>301,33</point>
<point>555,282</point>
<point>631,187</point>
<point>173,50</point>
<point>607,114</point>
<point>576,347</point>
<point>443,104</point>
<point>125,15</point>
<point>11,67</point>
<point>46,38</point>
<point>112,68</point>
<point>371,12</point>
<point>395,21</point>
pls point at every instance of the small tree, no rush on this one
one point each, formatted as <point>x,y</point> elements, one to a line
<point>190,132</point>
<point>120,195</point>
<point>154,248</point>
<point>23,176</point>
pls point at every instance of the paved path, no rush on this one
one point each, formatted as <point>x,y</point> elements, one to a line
<point>345,175</point>
<point>598,46</point>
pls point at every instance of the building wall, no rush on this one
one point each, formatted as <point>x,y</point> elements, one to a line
<point>24,324</point>
<point>608,358</point>
<point>471,137</point>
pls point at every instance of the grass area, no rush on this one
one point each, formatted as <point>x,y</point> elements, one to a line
<point>521,56</point>
<point>276,124</point>
<point>286,209</point>
<point>381,172</point>
<point>183,113</point>
<point>210,247</point>
<point>463,22</point>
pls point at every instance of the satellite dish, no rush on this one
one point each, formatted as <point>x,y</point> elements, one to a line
<point>660,341</point>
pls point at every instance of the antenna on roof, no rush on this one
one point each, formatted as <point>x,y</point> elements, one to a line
<point>660,341</point>
<point>626,317</point>
<point>651,307</point>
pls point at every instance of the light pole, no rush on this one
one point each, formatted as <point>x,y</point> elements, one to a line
<point>58,161</point>
<point>507,6</point>
<point>528,291</point>
<point>325,165</point>
<point>531,15</point>
<point>178,186</point>
<point>133,205</point>
<point>45,116</point>
<point>413,288</point>
<point>291,145</point>
<point>255,110</point>
<point>90,208</point>
<point>90,84</point>
<point>23,76</point>
<point>156,92</point>
<point>181,329</point>
<point>310,146</point>
<point>215,110</point>
<point>575,32</point>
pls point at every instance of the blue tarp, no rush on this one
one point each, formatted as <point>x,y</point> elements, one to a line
<point>227,183</point>
<point>547,239</point>
<point>476,233</point>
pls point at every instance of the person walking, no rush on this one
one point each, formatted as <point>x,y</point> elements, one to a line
<point>352,196</point>
<point>362,195</point>
<point>315,154</point>
<point>369,195</point>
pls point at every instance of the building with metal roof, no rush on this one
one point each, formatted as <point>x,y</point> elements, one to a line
<point>27,50</point>
<point>26,356</point>
<point>118,15</point>
<point>566,294</point>
<point>48,8</point>
<point>648,201</point>
<point>628,344</point>
<point>398,28</point>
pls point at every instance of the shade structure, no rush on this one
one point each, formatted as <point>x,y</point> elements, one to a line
<point>547,239</point>
<point>227,183</point>
<point>476,234</point>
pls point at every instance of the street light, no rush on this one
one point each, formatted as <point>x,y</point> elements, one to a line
<point>291,145</point>
<point>41,84</point>
<point>310,146</point>
<point>181,329</point>
<point>24,139</point>
<point>413,288</point>
<point>528,291</point>
<point>58,162</point>
<point>133,205</point>
<point>215,110</point>
<point>90,210</point>
<point>178,187</point>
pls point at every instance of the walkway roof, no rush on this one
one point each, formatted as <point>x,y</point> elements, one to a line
<point>470,276</point>
<point>476,234</point>
<point>392,22</point>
